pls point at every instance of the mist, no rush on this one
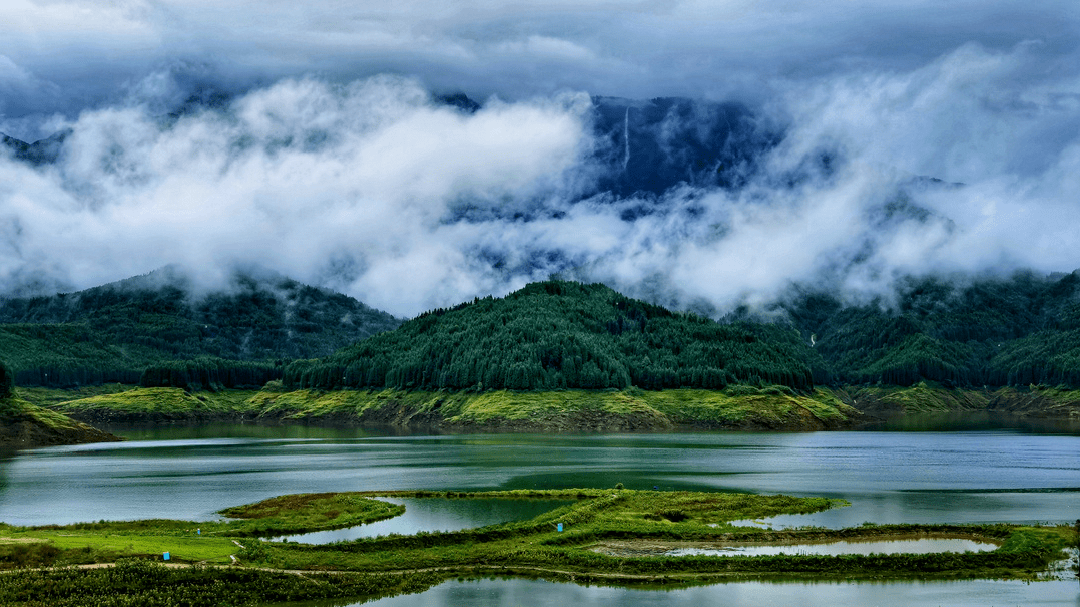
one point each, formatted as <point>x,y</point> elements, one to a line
<point>841,148</point>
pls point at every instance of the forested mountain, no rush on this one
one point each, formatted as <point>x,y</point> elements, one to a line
<point>112,332</point>
<point>1019,330</point>
<point>1005,331</point>
<point>565,335</point>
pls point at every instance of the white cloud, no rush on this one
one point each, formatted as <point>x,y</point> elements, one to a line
<point>327,170</point>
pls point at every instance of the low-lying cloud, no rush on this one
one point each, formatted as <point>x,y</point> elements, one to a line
<point>847,168</point>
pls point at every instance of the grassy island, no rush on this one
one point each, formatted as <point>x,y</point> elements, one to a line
<point>225,562</point>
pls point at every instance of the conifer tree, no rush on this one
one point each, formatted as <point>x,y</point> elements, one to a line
<point>7,381</point>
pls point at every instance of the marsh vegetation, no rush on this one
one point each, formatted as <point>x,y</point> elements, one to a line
<point>226,559</point>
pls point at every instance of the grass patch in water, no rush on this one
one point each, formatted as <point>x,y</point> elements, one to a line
<point>524,548</point>
<point>306,512</point>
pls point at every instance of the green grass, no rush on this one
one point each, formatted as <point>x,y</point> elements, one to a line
<point>182,539</point>
<point>48,397</point>
<point>182,549</point>
<point>528,548</point>
<point>560,409</point>
<point>169,402</point>
<point>926,397</point>
<point>761,408</point>
<point>17,416</point>
<point>51,419</point>
<point>141,583</point>
<point>306,512</point>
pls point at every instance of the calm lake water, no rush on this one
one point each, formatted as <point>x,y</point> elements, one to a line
<point>950,476</point>
<point>436,515</point>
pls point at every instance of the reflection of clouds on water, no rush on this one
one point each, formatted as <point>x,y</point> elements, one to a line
<point>432,514</point>
<point>901,545</point>
<point>995,476</point>
<point>531,593</point>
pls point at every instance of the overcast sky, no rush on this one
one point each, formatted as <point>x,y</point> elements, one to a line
<point>330,163</point>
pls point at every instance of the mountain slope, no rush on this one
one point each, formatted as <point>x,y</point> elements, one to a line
<point>41,152</point>
<point>559,334</point>
<point>111,332</point>
<point>1020,330</point>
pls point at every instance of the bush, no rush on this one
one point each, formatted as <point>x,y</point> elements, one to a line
<point>7,381</point>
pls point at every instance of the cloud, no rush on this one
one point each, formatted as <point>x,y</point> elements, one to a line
<point>92,51</point>
<point>303,176</point>
<point>325,157</point>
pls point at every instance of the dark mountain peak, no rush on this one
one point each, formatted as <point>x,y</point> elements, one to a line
<point>657,144</point>
<point>41,152</point>
<point>459,100</point>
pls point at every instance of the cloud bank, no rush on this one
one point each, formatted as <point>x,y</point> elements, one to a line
<point>873,142</point>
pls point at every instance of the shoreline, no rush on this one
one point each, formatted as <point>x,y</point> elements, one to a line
<point>231,549</point>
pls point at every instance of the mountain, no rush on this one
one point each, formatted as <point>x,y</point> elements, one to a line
<point>1015,331</point>
<point>1019,330</point>
<point>651,146</point>
<point>559,334</point>
<point>112,332</point>
<point>40,152</point>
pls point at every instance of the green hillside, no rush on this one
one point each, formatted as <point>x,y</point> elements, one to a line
<point>156,330</point>
<point>113,332</point>
<point>555,335</point>
<point>1020,330</point>
<point>23,424</point>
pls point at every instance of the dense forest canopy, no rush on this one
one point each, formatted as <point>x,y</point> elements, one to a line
<point>1001,331</point>
<point>7,380</point>
<point>112,332</point>
<point>564,335</point>
<point>1020,330</point>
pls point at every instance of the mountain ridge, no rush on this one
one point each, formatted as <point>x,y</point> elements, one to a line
<point>115,330</point>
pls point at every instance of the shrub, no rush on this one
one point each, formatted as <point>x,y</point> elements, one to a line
<point>7,381</point>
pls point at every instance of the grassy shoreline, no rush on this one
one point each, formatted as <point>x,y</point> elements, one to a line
<point>26,425</point>
<point>499,410</point>
<point>630,410</point>
<point>411,563</point>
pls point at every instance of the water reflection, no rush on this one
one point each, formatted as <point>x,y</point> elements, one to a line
<point>831,548</point>
<point>889,477</point>
<point>436,514</point>
<point>537,593</point>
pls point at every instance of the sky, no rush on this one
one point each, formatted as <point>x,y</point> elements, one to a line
<point>325,154</point>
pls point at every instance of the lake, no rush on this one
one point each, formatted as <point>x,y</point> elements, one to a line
<point>946,476</point>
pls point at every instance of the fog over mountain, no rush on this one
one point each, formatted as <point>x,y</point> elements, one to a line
<point>693,155</point>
